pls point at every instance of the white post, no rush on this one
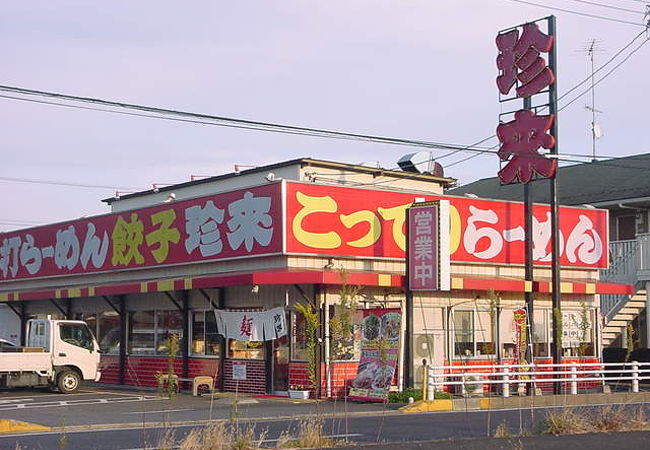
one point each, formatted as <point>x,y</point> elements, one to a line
<point>462,379</point>
<point>635,376</point>
<point>506,380</point>
<point>430,387</point>
<point>574,379</point>
<point>647,313</point>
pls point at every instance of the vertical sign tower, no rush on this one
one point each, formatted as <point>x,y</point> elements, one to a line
<point>522,67</point>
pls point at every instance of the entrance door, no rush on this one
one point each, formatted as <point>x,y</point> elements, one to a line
<point>281,365</point>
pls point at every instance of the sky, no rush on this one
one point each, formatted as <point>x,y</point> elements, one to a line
<point>415,69</point>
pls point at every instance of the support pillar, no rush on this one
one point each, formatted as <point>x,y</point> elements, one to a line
<point>123,340</point>
<point>23,324</point>
<point>185,341</point>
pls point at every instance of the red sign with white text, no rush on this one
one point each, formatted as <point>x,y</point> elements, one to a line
<point>423,248</point>
<point>343,221</point>
<point>241,223</point>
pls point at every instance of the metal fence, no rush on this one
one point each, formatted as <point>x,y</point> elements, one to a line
<point>475,379</point>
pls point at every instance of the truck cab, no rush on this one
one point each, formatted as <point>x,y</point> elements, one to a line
<point>58,353</point>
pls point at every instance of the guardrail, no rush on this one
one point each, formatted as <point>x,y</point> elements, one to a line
<point>533,374</point>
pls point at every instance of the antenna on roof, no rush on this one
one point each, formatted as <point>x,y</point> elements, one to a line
<point>596,132</point>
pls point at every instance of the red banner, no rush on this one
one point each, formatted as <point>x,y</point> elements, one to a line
<point>235,224</point>
<point>369,223</point>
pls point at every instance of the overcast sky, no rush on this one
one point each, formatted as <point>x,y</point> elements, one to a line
<point>409,69</point>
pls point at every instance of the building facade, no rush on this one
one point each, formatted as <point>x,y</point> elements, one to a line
<point>223,263</point>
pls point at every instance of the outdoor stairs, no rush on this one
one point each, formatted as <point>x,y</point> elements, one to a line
<point>616,326</point>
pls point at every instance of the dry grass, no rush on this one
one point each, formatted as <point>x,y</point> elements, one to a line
<point>309,435</point>
<point>502,431</point>
<point>604,419</point>
<point>215,436</point>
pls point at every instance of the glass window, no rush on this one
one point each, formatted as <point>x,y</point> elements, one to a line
<point>483,333</point>
<point>149,331</point>
<point>76,334</point>
<point>541,334</point>
<point>577,333</point>
<point>108,332</point>
<point>298,342</point>
<point>245,349</point>
<point>464,333</point>
<point>142,330</point>
<point>168,323</point>
<point>205,339</point>
<point>345,333</point>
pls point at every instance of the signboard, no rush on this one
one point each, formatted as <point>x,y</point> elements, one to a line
<point>428,246</point>
<point>236,224</point>
<point>519,63</point>
<point>380,342</point>
<point>239,370</point>
<point>330,220</point>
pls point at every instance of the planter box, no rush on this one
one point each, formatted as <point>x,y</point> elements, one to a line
<point>302,395</point>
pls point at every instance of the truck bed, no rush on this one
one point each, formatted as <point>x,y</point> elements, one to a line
<point>25,362</point>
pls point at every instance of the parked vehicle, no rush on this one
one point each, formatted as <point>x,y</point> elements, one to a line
<point>58,353</point>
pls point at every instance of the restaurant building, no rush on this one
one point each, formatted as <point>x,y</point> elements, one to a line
<point>222,263</point>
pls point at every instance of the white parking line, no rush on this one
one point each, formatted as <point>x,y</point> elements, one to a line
<point>161,411</point>
<point>69,403</point>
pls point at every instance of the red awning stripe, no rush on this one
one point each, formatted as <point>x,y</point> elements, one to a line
<point>279,277</point>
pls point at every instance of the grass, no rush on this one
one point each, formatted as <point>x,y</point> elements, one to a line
<point>569,420</point>
<point>403,397</point>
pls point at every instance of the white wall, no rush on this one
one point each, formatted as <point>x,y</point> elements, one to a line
<point>9,324</point>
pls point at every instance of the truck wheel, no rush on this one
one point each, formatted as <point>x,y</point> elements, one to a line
<point>68,381</point>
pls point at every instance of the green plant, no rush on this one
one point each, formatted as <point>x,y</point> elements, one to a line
<point>563,421</point>
<point>168,380</point>
<point>416,394</point>
<point>557,318</point>
<point>584,327</point>
<point>341,324</point>
<point>312,324</point>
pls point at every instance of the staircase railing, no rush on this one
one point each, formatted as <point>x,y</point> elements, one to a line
<point>625,260</point>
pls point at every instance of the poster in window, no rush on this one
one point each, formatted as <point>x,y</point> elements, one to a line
<point>380,344</point>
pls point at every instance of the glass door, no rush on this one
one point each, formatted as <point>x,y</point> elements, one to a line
<point>281,365</point>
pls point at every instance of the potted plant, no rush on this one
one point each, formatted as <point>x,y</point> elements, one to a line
<point>299,391</point>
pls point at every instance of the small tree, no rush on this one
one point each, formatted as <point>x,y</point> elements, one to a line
<point>312,324</point>
<point>342,323</point>
<point>167,381</point>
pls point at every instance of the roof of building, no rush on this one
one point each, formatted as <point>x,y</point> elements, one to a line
<point>600,183</point>
<point>303,162</point>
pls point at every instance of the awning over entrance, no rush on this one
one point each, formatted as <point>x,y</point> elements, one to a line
<point>466,282</point>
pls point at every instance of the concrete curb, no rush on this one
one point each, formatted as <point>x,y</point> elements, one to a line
<point>15,426</point>
<point>536,401</point>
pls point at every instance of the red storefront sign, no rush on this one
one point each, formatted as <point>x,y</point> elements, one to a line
<point>330,220</point>
<point>241,223</point>
<point>519,61</point>
<point>320,220</point>
<point>423,248</point>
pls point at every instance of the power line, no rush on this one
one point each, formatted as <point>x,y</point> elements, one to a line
<point>162,113</point>
<point>602,5</point>
<point>593,16</point>
<point>62,183</point>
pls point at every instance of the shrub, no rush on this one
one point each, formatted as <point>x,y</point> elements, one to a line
<point>403,397</point>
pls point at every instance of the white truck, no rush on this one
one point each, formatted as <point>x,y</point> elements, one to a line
<point>59,353</point>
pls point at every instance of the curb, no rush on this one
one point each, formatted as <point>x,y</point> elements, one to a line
<point>8,426</point>
<point>428,406</point>
<point>523,402</point>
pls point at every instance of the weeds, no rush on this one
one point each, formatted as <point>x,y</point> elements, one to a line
<point>310,435</point>
<point>503,431</point>
<point>600,420</point>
